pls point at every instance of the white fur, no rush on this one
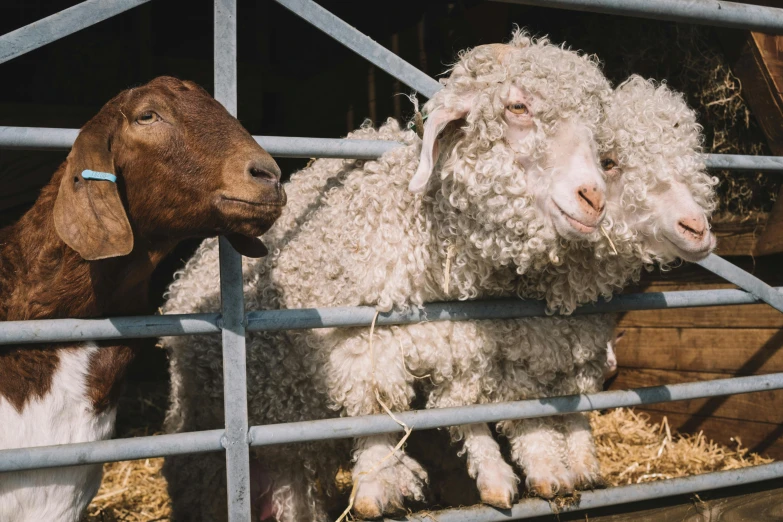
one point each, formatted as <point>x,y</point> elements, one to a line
<point>354,235</point>
<point>64,415</point>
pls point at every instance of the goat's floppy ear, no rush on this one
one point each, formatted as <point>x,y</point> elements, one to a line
<point>436,122</point>
<point>88,212</point>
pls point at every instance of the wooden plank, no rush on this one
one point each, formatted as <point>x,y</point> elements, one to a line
<point>760,69</point>
<point>737,237</point>
<point>758,407</point>
<point>741,351</point>
<point>760,502</point>
<point>730,317</point>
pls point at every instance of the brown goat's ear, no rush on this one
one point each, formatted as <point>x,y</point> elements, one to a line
<point>436,122</point>
<point>88,213</point>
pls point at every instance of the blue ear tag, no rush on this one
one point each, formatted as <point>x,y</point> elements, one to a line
<point>105,176</point>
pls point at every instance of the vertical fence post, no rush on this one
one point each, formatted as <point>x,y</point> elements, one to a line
<point>232,298</point>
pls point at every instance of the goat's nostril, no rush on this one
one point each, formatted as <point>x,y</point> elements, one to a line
<point>692,227</point>
<point>592,197</point>
<point>262,175</point>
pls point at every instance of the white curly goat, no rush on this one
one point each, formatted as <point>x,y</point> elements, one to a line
<point>659,203</point>
<point>519,175</point>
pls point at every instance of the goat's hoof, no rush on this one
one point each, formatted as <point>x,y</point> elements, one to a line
<point>367,508</point>
<point>498,498</point>
<point>550,487</point>
<point>384,491</point>
<point>497,484</point>
<point>585,481</point>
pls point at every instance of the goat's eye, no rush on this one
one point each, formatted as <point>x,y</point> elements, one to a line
<point>518,108</point>
<point>147,117</point>
<point>608,164</point>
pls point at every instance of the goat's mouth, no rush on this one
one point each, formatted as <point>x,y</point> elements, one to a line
<point>249,217</point>
<point>689,251</point>
<point>575,224</point>
<point>263,203</point>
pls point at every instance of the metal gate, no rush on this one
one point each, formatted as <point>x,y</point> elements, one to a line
<point>232,323</point>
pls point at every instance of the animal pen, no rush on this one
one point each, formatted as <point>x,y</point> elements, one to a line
<point>232,322</point>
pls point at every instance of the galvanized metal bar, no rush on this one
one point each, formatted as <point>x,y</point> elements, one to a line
<point>66,330</point>
<point>37,138</point>
<point>110,450</point>
<point>43,138</point>
<point>705,12</point>
<point>350,427</point>
<point>363,45</point>
<point>315,430</point>
<point>226,54</point>
<point>62,330</point>
<point>743,162</point>
<point>235,439</point>
<point>285,147</point>
<point>533,507</point>
<point>734,274</point>
<point>235,383</point>
<point>58,25</point>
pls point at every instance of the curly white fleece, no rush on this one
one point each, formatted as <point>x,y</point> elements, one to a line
<point>351,235</point>
<point>652,135</point>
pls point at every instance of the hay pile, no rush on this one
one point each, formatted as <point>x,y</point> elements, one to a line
<point>631,450</point>
<point>133,491</point>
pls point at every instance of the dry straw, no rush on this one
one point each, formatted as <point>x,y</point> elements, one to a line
<point>631,449</point>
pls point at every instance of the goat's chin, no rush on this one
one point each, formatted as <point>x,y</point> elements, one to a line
<point>688,251</point>
<point>248,218</point>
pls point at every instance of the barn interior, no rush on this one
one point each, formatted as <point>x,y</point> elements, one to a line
<point>296,81</point>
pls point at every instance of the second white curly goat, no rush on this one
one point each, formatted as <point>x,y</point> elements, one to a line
<point>659,204</point>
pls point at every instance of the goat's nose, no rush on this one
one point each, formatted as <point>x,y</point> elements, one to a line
<point>260,171</point>
<point>591,199</point>
<point>692,228</point>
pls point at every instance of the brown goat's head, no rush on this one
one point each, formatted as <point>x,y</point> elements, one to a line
<point>184,167</point>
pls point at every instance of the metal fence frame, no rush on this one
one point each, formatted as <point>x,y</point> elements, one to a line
<point>233,323</point>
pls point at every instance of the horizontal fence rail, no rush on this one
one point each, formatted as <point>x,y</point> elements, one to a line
<point>349,427</point>
<point>704,12</point>
<point>45,138</point>
<point>532,507</point>
<point>64,330</point>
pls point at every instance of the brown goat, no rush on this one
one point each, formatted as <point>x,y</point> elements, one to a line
<point>184,168</point>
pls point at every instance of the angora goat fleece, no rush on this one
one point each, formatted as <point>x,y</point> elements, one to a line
<point>515,192</point>
<point>659,202</point>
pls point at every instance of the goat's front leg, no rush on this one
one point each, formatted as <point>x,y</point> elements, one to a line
<point>581,451</point>
<point>359,378</point>
<point>384,477</point>
<point>541,450</point>
<point>495,479</point>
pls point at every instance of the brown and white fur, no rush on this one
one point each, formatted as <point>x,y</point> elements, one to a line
<point>185,168</point>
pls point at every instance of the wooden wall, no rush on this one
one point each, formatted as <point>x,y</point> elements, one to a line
<point>696,344</point>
